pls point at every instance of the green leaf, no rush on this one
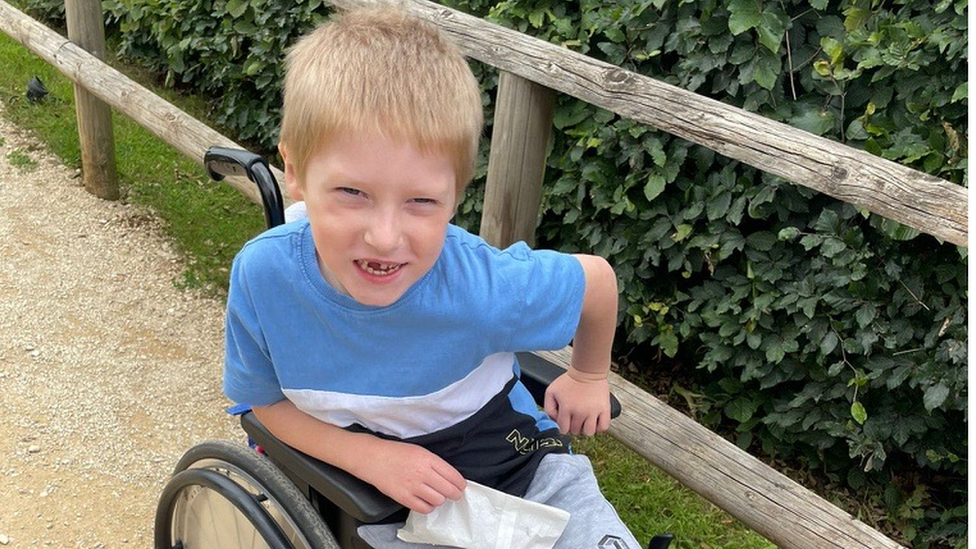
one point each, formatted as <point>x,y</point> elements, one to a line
<point>682,231</point>
<point>741,409</point>
<point>761,240</point>
<point>536,18</point>
<point>653,147</point>
<point>668,342</point>
<point>571,116</point>
<point>812,391</point>
<point>785,419</point>
<point>858,412</point>
<point>856,18</point>
<point>865,315</point>
<point>962,92</point>
<point>935,396</point>
<point>815,120</point>
<point>834,49</point>
<point>788,233</point>
<point>897,231</point>
<point>253,66</point>
<point>774,350</point>
<point>898,376</point>
<point>745,15</point>
<point>822,67</point>
<point>828,343</point>
<point>828,222</point>
<point>772,29</point>
<point>856,131</point>
<point>654,186</point>
<point>236,8</point>
<point>732,241</point>
<point>809,306</point>
<point>766,70</point>
<point>718,206</point>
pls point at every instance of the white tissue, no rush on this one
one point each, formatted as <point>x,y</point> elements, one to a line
<point>487,519</point>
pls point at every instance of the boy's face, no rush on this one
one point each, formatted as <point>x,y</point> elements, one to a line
<point>378,211</point>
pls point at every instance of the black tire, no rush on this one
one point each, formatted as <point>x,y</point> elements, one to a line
<point>203,508</point>
<point>283,501</point>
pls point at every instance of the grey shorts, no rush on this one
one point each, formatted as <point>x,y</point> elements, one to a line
<point>564,481</point>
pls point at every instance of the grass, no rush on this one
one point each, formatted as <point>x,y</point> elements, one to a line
<point>21,161</point>
<point>651,502</point>
<point>208,223</point>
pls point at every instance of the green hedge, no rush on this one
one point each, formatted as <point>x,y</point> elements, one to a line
<point>822,335</point>
<point>831,336</point>
<point>826,335</point>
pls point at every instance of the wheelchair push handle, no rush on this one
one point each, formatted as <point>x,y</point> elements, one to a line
<point>224,161</point>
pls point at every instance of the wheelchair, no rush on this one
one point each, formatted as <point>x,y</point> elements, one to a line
<point>265,494</point>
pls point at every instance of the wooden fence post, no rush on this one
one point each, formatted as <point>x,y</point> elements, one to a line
<point>95,136</point>
<point>517,162</point>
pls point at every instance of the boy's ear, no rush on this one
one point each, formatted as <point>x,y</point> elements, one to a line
<point>292,184</point>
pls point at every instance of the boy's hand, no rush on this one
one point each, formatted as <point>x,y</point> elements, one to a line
<point>412,476</point>
<point>579,406</point>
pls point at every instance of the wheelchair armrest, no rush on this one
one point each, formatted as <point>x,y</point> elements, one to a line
<point>538,373</point>
<point>357,498</point>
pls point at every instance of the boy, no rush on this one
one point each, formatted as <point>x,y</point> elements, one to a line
<point>380,338</point>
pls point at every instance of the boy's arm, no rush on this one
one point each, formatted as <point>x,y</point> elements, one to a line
<point>579,400</point>
<point>409,474</point>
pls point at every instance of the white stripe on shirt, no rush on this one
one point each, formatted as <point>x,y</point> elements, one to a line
<point>406,417</point>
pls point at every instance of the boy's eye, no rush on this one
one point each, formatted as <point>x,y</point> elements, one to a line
<point>424,201</point>
<point>350,191</point>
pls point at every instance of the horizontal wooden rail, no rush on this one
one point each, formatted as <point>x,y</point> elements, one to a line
<point>187,134</point>
<point>929,204</point>
<point>764,499</point>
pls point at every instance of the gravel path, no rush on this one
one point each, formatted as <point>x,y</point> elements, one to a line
<point>108,373</point>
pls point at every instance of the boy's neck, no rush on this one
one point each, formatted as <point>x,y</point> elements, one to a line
<point>329,277</point>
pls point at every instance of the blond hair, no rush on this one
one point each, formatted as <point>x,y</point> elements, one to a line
<point>383,71</point>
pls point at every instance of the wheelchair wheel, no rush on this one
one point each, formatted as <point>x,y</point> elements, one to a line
<point>290,511</point>
<point>202,508</point>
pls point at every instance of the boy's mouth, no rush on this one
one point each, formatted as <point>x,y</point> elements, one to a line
<point>377,268</point>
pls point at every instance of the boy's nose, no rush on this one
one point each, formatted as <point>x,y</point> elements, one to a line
<point>383,233</point>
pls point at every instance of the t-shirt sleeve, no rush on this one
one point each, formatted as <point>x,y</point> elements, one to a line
<point>549,290</point>
<point>249,375</point>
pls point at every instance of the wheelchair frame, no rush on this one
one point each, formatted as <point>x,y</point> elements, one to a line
<point>223,494</point>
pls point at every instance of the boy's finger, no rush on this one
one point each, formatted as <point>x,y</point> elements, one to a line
<point>588,426</point>
<point>561,417</point>
<point>417,504</point>
<point>550,406</point>
<point>578,422</point>
<point>564,420</point>
<point>431,496</point>
<point>451,475</point>
<point>440,490</point>
<point>454,481</point>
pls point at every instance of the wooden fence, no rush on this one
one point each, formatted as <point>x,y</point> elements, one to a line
<point>924,202</point>
<point>775,506</point>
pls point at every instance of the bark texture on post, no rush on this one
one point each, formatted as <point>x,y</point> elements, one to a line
<point>95,135</point>
<point>517,161</point>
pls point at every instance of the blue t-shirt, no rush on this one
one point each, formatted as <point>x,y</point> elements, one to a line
<point>435,368</point>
